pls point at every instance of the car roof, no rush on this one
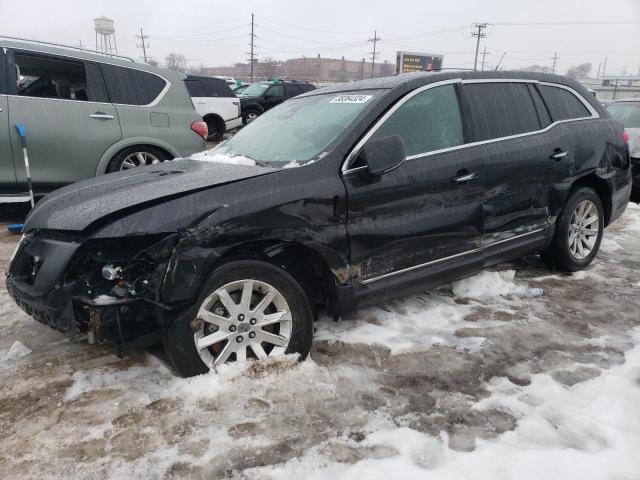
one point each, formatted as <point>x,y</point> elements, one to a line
<point>400,84</point>
<point>79,54</point>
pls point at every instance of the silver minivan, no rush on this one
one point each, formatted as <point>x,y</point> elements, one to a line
<point>87,114</point>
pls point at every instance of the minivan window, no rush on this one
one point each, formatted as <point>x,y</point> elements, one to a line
<point>427,121</point>
<point>500,109</point>
<point>195,88</point>
<point>47,77</point>
<point>562,104</point>
<point>127,86</point>
<point>298,130</point>
<point>626,112</point>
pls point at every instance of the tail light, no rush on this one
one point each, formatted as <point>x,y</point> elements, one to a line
<point>201,129</point>
<point>625,136</point>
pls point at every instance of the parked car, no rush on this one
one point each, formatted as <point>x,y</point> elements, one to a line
<point>87,115</point>
<point>240,88</point>
<point>259,97</point>
<point>403,183</point>
<point>216,103</point>
<point>628,112</point>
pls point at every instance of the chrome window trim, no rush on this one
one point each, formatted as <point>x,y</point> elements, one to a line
<point>451,257</point>
<point>155,101</point>
<point>355,150</point>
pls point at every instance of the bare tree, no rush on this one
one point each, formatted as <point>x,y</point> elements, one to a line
<point>268,68</point>
<point>579,71</point>
<point>537,68</point>
<point>152,61</point>
<point>176,61</point>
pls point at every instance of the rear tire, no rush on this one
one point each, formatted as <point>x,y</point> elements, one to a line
<point>223,320</point>
<point>133,157</point>
<point>576,240</point>
<point>216,129</point>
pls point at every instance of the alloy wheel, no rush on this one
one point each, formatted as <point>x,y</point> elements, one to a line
<point>139,159</point>
<point>242,319</point>
<point>583,229</point>
<point>251,116</point>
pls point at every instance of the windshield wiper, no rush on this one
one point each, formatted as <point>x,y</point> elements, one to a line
<point>261,163</point>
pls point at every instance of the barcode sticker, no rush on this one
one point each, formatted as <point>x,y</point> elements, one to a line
<point>350,99</point>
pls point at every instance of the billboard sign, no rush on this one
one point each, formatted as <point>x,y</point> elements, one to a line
<point>417,62</point>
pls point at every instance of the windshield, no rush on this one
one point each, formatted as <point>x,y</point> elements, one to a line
<point>298,130</point>
<point>255,89</point>
<point>626,112</point>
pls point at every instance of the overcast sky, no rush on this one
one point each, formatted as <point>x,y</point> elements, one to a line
<point>217,32</point>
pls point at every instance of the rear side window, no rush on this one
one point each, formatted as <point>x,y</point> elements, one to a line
<point>427,121</point>
<point>500,109</point>
<point>195,88</point>
<point>293,90</point>
<point>48,77</point>
<point>127,86</point>
<point>276,91</point>
<point>307,87</point>
<point>216,87</point>
<point>562,104</point>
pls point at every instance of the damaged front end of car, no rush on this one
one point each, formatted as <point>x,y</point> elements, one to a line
<point>106,288</point>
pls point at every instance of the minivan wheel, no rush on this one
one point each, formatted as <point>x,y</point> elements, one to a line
<point>247,310</point>
<point>216,129</point>
<point>134,157</point>
<point>578,232</point>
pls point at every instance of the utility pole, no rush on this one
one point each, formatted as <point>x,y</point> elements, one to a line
<point>479,33</point>
<point>80,45</point>
<point>484,54</point>
<point>375,41</point>
<point>144,45</point>
<point>604,67</point>
<point>252,45</point>
<point>555,58</point>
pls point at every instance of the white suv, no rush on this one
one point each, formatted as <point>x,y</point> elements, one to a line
<point>216,103</point>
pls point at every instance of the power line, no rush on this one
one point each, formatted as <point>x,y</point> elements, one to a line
<point>479,33</point>
<point>143,44</point>
<point>375,41</point>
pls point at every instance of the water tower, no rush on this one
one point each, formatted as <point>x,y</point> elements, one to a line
<point>105,35</point>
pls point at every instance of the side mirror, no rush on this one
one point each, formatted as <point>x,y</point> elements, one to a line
<point>383,155</point>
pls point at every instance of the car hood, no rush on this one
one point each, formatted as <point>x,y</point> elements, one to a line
<point>77,206</point>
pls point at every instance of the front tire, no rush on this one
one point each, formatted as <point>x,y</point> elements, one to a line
<point>247,310</point>
<point>250,116</point>
<point>578,232</point>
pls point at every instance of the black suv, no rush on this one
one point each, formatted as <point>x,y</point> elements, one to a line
<point>259,97</point>
<point>403,183</point>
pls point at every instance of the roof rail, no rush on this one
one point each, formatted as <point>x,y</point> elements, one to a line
<point>70,47</point>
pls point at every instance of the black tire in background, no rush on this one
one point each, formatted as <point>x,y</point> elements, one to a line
<point>249,116</point>
<point>179,341</point>
<point>115,165</point>
<point>558,254</point>
<point>216,128</point>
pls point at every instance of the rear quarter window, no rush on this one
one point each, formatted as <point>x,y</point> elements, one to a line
<point>562,104</point>
<point>500,109</point>
<point>215,87</point>
<point>195,88</point>
<point>131,87</point>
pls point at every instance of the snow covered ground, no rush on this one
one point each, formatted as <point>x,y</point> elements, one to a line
<point>483,379</point>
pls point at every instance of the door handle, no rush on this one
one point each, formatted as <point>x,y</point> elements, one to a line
<point>558,154</point>
<point>101,116</point>
<point>464,176</point>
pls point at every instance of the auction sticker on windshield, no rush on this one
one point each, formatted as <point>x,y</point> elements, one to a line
<point>350,98</point>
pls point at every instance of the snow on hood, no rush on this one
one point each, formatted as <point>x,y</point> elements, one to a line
<point>217,157</point>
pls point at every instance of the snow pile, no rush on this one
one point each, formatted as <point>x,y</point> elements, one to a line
<point>216,157</point>
<point>17,350</point>
<point>589,430</point>
<point>489,284</point>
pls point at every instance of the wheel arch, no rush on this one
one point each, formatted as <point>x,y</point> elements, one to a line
<point>602,189</point>
<point>118,147</point>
